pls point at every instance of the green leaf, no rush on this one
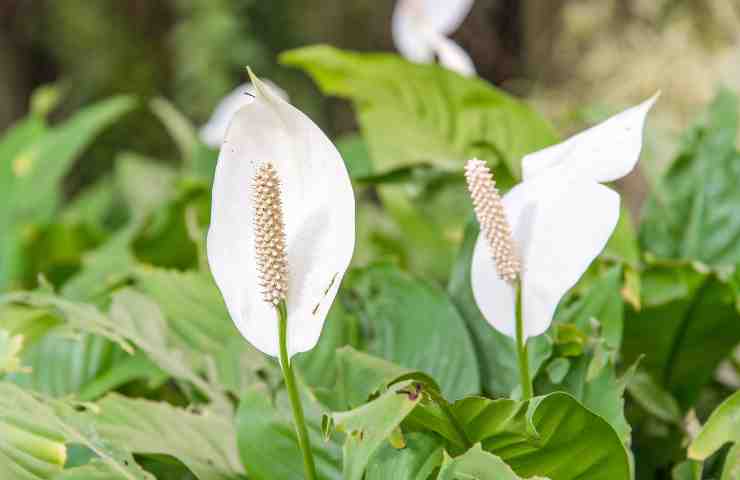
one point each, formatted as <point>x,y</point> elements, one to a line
<point>43,165</point>
<point>603,303</point>
<point>603,394</point>
<point>687,470</point>
<point>692,213</point>
<point>60,365</point>
<point>268,444</point>
<point>369,425</point>
<point>103,268</point>
<point>416,326</point>
<point>446,118</point>
<point>178,126</point>
<point>496,352</point>
<point>477,464</point>
<point>693,323</point>
<point>319,367</point>
<point>361,376</point>
<point>557,369</point>
<point>76,315</point>
<point>34,432</point>
<point>722,427</point>
<point>731,469</point>
<point>545,435</point>
<point>10,347</point>
<point>138,319</point>
<point>654,399</point>
<point>205,443</point>
<point>192,304</point>
<point>144,184</point>
<point>165,239</point>
<point>15,140</point>
<point>356,155</point>
<point>416,461</point>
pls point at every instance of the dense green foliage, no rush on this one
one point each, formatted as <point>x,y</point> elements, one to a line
<point>120,361</point>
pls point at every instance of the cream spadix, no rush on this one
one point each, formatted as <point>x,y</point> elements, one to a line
<point>421,27</point>
<point>282,222</point>
<point>560,218</point>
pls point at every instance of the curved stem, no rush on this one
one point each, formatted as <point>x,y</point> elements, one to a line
<point>295,401</point>
<point>521,348</point>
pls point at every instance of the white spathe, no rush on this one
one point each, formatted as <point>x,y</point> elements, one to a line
<point>214,132</point>
<point>561,218</point>
<point>318,215</point>
<point>421,27</point>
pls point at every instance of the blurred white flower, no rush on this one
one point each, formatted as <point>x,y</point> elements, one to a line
<point>558,220</point>
<point>421,27</point>
<point>213,132</point>
<point>282,222</point>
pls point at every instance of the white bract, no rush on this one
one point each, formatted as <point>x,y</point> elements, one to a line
<point>421,27</point>
<point>561,218</point>
<point>213,132</point>
<point>318,212</point>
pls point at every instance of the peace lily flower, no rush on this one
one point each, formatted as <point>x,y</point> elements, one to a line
<point>282,232</point>
<point>421,27</point>
<point>214,132</point>
<point>282,222</point>
<point>543,234</point>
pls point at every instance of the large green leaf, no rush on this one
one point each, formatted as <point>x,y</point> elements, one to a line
<point>205,442</point>
<point>140,320</point>
<point>369,425</point>
<point>603,394</point>
<point>477,464</point>
<point>446,118</point>
<point>76,316</point>
<point>552,436</point>
<point>268,444</point>
<point>15,140</point>
<point>192,304</point>
<point>496,352</point>
<point>693,212</point>
<point>319,366</point>
<point>416,326</point>
<point>34,435</point>
<point>693,323</point>
<point>722,427</point>
<point>61,364</point>
<point>421,454</point>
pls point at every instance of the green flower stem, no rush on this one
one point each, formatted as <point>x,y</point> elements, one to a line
<point>521,348</point>
<point>295,401</point>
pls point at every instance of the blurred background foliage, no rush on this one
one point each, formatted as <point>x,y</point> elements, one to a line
<point>105,184</point>
<point>576,59</point>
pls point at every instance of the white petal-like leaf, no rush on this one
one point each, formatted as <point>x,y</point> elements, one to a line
<point>213,132</point>
<point>452,56</point>
<point>318,213</point>
<point>420,28</point>
<point>560,228</point>
<point>602,153</point>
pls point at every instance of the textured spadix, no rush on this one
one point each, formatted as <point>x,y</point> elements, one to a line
<point>489,210</point>
<point>560,218</point>
<point>421,27</point>
<point>318,222</point>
